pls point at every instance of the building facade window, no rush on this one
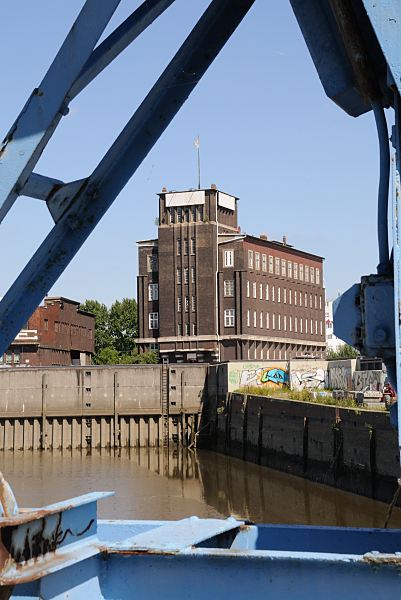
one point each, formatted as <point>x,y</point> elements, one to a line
<point>153,291</point>
<point>277,266</point>
<point>248,318</point>
<point>307,273</point>
<point>295,270</point>
<point>283,268</point>
<point>187,329</point>
<point>317,276</point>
<point>250,259</point>
<point>312,275</point>
<point>273,321</point>
<point>229,317</point>
<point>289,296</point>
<point>285,322</point>
<point>254,319</point>
<point>279,322</point>
<point>152,263</point>
<point>301,272</point>
<point>248,289</point>
<point>267,321</point>
<point>228,287</point>
<point>273,293</point>
<point>179,247</point>
<point>261,291</point>
<point>193,245</point>
<point>186,303</point>
<point>264,262</point>
<point>186,247</point>
<point>290,322</point>
<point>153,320</point>
<point>257,261</point>
<point>267,291</point>
<point>254,289</point>
<point>285,295</point>
<point>270,264</point>
<point>320,302</point>
<point>179,304</point>
<point>194,329</point>
<point>193,274</point>
<point>178,276</point>
<point>261,320</point>
<point>278,294</point>
<point>228,258</point>
<point>193,303</point>
<point>296,324</point>
<point>289,269</point>
<point>179,214</point>
<point>186,275</point>
<point>193,213</point>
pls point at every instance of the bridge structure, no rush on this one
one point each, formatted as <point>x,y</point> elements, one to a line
<point>59,550</point>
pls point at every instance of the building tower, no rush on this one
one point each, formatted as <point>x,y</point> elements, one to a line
<point>208,293</point>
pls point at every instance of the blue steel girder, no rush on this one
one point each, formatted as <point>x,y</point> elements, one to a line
<point>78,206</point>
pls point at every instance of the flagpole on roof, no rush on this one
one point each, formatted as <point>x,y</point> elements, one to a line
<point>197,146</point>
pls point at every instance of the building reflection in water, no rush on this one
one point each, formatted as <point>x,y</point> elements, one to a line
<point>153,483</point>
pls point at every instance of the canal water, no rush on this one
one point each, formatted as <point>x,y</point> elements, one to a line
<point>159,484</point>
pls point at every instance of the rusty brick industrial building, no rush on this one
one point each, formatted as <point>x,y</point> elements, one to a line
<point>207,292</point>
<point>58,333</point>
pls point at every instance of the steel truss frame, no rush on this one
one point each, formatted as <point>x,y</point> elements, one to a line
<point>78,206</point>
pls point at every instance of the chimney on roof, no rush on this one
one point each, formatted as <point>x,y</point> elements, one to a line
<point>284,240</point>
<point>164,190</point>
<point>213,186</point>
<point>263,236</point>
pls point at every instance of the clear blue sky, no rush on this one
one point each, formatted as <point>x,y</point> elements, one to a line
<point>269,135</point>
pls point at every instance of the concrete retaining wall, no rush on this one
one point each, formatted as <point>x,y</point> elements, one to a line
<point>356,450</point>
<point>99,406</point>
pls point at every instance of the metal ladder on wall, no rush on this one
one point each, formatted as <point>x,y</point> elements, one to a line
<point>165,411</point>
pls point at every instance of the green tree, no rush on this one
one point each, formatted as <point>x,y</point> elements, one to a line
<point>123,325</point>
<point>107,356</point>
<point>344,351</point>
<point>103,338</point>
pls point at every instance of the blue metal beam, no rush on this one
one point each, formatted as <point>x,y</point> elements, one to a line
<point>117,41</point>
<point>25,142</point>
<point>90,202</point>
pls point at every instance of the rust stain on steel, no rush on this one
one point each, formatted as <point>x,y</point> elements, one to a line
<point>105,551</point>
<point>382,559</point>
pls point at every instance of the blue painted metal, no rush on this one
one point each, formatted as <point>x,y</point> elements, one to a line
<point>78,560</point>
<point>77,207</point>
<point>23,145</point>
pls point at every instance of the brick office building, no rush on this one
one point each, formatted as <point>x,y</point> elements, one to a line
<point>58,333</point>
<point>207,292</point>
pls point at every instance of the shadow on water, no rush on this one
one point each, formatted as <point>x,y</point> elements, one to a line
<point>152,483</point>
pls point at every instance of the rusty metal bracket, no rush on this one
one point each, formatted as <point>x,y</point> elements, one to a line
<point>35,543</point>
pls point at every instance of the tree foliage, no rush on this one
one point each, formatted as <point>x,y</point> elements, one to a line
<point>344,351</point>
<point>115,333</point>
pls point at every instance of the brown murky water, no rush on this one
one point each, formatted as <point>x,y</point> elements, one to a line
<point>155,484</point>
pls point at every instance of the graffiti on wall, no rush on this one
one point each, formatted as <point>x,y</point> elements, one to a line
<point>340,378</point>
<point>368,380</point>
<point>308,379</point>
<point>266,376</point>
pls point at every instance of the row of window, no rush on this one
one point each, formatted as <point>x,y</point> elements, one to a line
<point>185,214</point>
<point>186,245</point>
<point>62,327</point>
<point>283,267</point>
<point>186,304</point>
<point>284,323</point>
<point>11,358</point>
<point>278,294</point>
<point>186,328</point>
<point>186,272</point>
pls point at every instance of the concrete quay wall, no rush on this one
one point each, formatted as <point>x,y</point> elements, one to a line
<point>355,450</point>
<point>78,407</point>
